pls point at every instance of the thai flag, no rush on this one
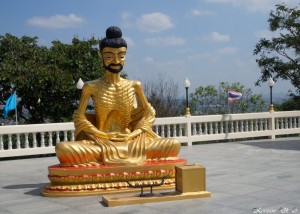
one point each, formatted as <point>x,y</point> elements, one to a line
<point>233,95</point>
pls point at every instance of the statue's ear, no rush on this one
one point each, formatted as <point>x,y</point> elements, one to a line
<point>101,58</point>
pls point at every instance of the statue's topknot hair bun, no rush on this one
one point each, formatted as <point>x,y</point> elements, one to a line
<point>113,32</point>
<point>113,39</point>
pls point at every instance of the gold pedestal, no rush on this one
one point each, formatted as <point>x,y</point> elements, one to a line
<point>190,184</point>
<point>79,181</point>
<point>128,199</point>
<point>190,178</point>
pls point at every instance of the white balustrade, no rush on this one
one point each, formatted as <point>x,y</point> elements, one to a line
<point>22,140</point>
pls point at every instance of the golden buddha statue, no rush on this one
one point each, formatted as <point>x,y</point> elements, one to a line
<point>120,131</point>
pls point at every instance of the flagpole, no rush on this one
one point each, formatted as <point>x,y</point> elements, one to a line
<point>228,102</point>
<point>16,109</point>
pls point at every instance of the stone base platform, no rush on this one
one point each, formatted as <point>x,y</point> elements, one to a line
<point>130,198</point>
<point>104,179</point>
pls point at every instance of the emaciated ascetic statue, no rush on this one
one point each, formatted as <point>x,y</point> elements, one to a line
<point>120,131</point>
<point>116,144</point>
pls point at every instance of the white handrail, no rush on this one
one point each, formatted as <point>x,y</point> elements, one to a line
<point>22,140</point>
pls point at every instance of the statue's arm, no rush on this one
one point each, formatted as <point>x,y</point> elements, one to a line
<point>82,124</point>
<point>148,118</point>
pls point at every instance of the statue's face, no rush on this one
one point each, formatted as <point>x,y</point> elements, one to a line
<point>114,58</point>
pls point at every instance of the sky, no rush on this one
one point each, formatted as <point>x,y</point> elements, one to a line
<point>206,41</point>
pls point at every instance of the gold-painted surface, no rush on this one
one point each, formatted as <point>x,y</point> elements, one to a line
<point>120,132</point>
<point>128,199</point>
<point>74,181</point>
<point>65,193</point>
<point>271,108</point>
<point>187,111</point>
<point>190,178</point>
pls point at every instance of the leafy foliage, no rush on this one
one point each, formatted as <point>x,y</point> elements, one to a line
<point>45,78</point>
<point>293,103</point>
<point>212,100</point>
<point>280,55</point>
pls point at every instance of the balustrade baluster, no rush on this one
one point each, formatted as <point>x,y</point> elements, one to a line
<point>260,127</point>
<point>180,130</point>
<point>286,123</point>
<point>9,142</point>
<point>162,131</point>
<point>256,125</point>
<point>251,125</point>
<point>194,130</point>
<point>242,126</point>
<point>221,128</point>
<point>42,139</point>
<point>174,131</point>
<point>66,136</point>
<point>18,141</point>
<point>50,139</point>
<point>211,131</point>
<point>205,128</point>
<point>1,142</point>
<point>231,127</point>
<point>226,127</point>
<point>34,140</point>
<point>235,128</point>
<point>216,128</point>
<point>200,128</point>
<point>265,124</point>
<point>73,136</point>
<point>26,141</point>
<point>156,129</point>
<point>57,137</point>
<point>294,122</point>
<point>168,131</point>
<point>290,122</point>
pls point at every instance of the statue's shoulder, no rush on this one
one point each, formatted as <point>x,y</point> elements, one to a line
<point>132,83</point>
<point>91,85</point>
<point>136,83</point>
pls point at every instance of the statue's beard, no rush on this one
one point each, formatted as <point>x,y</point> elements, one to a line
<point>113,70</point>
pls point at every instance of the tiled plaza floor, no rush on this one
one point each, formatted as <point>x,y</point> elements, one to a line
<point>243,177</point>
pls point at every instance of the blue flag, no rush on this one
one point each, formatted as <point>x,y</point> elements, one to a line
<point>10,104</point>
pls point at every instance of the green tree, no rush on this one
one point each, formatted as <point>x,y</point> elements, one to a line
<point>279,57</point>
<point>45,78</point>
<point>211,100</point>
<point>293,103</point>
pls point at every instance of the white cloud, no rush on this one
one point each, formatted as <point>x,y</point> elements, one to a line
<point>217,37</point>
<point>255,5</point>
<point>56,21</point>
<point>185,50</point>
<point>227,50</point>
<point>169,41</point>
<point>200,12</point>
<point>148,60</point>
<point>154,22</point>
<point>127,19</point>
<point>129,41</point>
<point>214,56</point>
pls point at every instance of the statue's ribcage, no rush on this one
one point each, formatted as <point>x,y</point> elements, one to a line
<point>114,98</point>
